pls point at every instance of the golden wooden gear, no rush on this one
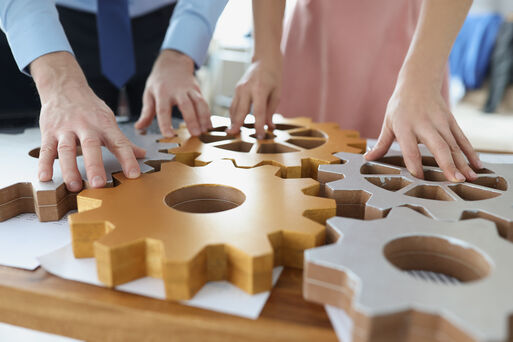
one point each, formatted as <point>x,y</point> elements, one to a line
<point>298,146</point>
<point>189,225</point>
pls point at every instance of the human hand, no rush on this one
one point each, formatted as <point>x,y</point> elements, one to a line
<point>260,87</point>
<point>170,83</point>
<point>418,115</point>
<point>71,113</point>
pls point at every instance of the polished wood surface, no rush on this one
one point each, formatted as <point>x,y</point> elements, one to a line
<point>41,301</point>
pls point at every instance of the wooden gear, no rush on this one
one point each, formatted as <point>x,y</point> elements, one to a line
<point>364,273</point>
<point>189,225</point>
<point>22,192</point>
<point>369,190</point>
<point>298,146</point>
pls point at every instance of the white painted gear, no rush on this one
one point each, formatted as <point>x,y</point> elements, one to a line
<point>21,191</point>
<point>365,274</point>
<point>369,189</point>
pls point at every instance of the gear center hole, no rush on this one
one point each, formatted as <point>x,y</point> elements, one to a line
<point>437,259</point>
<point>205,198</point>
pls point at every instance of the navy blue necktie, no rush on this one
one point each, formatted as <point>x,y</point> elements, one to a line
<point>115,39</point>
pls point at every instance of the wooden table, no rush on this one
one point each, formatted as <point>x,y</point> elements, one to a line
<point>41,301</point>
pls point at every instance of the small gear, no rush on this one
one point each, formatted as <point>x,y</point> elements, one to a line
<point>189,225</point>
<point>298,146</point>
<point>369,189</point>
<point>22,192</point>
<point>366,273</point>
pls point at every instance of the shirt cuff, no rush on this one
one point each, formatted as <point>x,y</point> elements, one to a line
<point>190,31</point>
<point>35,35</point>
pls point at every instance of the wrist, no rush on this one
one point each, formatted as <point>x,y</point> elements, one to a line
<point>55,73</point>
<point>176,58</point>
<point>268,57</point>
<point>412,79</point>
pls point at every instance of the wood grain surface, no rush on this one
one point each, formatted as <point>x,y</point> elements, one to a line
<point>41,301</point>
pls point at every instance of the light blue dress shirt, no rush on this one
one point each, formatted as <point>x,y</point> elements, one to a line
<point>33,29</point>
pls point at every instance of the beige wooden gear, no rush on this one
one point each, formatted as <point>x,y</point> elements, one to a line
<point>369,190</point>
<point>298,146</point>
<point>366,274</point>
<point>189,225</point>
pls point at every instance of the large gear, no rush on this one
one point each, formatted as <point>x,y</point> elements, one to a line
<point>298,146</point>
<point>365,273</point>
<point>21,191</point>
<point>369,190</point>
<point>189,225</point>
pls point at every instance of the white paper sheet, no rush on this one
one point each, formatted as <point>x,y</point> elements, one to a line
<point>11,333</point>
<point>218,296</point>
<point>341,322</point>
<point>23,238</point>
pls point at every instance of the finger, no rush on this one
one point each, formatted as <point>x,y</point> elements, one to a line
<point>189,114</point>
<point>274,101</point>
<point>92,152</point>
<point>259,111</point>
<point>121,147</point>
<point>239,114</point>
<point>47,155</point>
<point>411,154</point>
<point>442,153</point>
<point>163,106</point>
<point>457,155</point>
<point>202,110</point>
<point>67,150</point>
<point>147,112</point>
<point>466,146</point>
<point>385,140</point>
<point>139,152</point>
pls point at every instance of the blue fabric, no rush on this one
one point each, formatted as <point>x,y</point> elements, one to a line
<point>115,41</point>
<point>192,26</point>
<point>470,55</point>
<point>33,29</point>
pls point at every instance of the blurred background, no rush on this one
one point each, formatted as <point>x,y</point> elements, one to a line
<point>481,65</point>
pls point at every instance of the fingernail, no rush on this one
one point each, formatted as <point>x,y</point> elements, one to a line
<point>97,181</point>
<point>43,176</point>
<point>480,164</point>
<point>134,173</point>
<point>168,134</point>
<point>195,132</point>
<point>74,186</point>
<point>459,177</point>
<point>472,174</point>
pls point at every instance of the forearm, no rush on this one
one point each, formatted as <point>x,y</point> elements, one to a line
<point>56,72</point>
<point>438,26</point>
<point>32,29</point>
<point>268,23</point>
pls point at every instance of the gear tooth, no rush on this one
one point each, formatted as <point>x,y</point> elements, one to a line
<point>119,177</point>
<point>405,213</point>
<point>319,203</point>
<point>173,165</point>
<point>273,170</point>
<point>221,164</point>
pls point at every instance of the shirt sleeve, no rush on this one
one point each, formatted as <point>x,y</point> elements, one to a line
<point>33,29</point>
<point>192,26</point>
